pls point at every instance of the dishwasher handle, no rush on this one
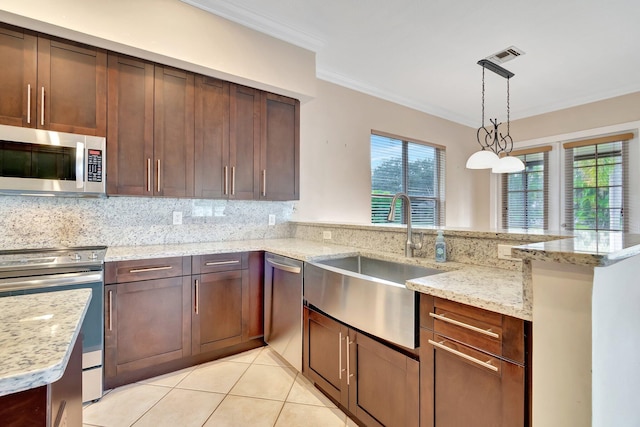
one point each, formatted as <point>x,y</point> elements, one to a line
<point>284,267</point>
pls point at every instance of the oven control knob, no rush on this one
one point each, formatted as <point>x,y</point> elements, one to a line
<point>76,256</point>
<point>93,255</point>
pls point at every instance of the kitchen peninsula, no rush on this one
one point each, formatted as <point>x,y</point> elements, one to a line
<point>41,358</point>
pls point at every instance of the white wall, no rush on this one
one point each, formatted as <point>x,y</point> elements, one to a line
<point>616,344</point>
<point>335,157</point>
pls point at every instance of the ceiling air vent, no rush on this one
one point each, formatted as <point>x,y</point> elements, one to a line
<point>505,55</point>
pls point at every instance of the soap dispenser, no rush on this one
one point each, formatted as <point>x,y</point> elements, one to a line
<point>441,248</point>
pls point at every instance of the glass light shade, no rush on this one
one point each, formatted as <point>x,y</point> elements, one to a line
<point>508,164</point>
<point>483,159</point>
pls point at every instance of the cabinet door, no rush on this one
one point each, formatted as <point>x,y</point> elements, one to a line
<point>18,76</point>
<point>72,87</point>
<point>130,127</point>
<point>244,149</point>
<point>280,148</point>
<point>471,387</point>
<point>146,323</point>
<point>217,315</point>
<point>324,355</point>
<point>211,138</point>
<point>384,389</point>
<point>173,137</point>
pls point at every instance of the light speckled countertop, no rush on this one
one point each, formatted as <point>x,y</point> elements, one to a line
<point>37,333</point>
<point>489,288</point>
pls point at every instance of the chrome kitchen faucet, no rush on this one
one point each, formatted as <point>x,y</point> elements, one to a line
<point>410,245</point>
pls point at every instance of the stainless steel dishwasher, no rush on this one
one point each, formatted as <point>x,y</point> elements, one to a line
<point>283,307</point>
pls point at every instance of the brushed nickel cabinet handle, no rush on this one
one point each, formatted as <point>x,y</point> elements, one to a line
<point>149,175</point>
<point>264,182</point>
<point>340,356</point>
<point>284,267</point>
<point>235,261</point>
<point>486,364</point>
<point>349,375</point>
<point>233,180</point>
<point>487,332</point>
<point>158,167</point>
<point>42,108</point>
<point>110,310</point>
<point>226,181</point>
<point>145,269</point>
<point>29,103</point>
<point>197,295</point>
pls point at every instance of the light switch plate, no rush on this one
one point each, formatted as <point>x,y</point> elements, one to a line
<point>326,235</point>
<point>272,219</point>
<point>177,218</point>
<point>504,252</point>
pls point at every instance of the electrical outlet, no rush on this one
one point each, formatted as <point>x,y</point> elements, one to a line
<point>326,235</point>
<point>177,218</point>
<point>272,219</point>
<point>504,252</point>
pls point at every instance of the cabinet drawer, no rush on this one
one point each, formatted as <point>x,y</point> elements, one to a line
<point>219,262</point>
<point>146,269</point>
<point>494,333</point>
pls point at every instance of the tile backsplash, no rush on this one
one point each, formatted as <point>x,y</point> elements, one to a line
<point>37,222</point>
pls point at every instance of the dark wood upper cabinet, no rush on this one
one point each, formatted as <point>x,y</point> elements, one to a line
<point>211,138</point>
<point>173,146</point>
<point>18,76</point>
<point>51,83</point>
<point>244,148</point>
<point>130,127</point>
<point>280,148</point>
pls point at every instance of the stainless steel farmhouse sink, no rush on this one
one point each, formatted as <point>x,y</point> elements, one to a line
<point>368,294</point>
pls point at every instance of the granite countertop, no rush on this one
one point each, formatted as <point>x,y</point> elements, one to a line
<point>489,288</point>
<point>37,333</point>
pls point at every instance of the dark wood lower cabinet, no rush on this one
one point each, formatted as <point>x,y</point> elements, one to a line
<point>147,323</point>
<point>377,384</point>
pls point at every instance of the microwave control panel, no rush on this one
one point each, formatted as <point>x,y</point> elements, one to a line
<point>94,165</point>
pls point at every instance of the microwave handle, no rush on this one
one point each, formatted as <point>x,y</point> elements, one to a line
<point>79,164</point>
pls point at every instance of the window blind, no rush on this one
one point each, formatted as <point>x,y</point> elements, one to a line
<point>525,194</point>
<point>597,183</point>
<point>412,167</point>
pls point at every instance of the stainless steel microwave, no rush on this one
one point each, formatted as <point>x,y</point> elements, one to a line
<point>41,162</point>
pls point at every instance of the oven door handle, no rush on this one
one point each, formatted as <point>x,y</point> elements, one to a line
<point>56,280</point>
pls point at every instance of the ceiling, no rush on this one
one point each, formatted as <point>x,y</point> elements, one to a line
<point>423,53</point>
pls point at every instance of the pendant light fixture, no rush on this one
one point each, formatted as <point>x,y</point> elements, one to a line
<point>495,147</point>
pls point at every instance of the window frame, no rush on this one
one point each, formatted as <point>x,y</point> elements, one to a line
<point>439,188</point>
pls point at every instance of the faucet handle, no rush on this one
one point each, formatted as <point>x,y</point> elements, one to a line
<point>419,244</point>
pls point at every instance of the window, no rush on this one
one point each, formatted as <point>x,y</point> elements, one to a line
<point>525,195</point>
<point>411,167</point>
<point>597,181</point>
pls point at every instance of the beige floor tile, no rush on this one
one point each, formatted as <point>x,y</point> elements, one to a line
<point>168,380</point>
<point>238,411</point>
<point>303,391</point>
<point>184,408</point>
<point>245,357</point>
<point>267,382</point>
<point>124,405</point>
<point>216,376</point>
<point>295,415</point>
<point>269,357</point>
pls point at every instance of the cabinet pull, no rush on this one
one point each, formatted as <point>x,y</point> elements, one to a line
<point>110,298</point>
<point>149,175</point>
<point>340,356</point>
<point>197,295</point>
<point>158,172</point>
<point>145,269</point>
<point>29,104</point>
<point>264,183</point>
<point>235,261</point>
<point>233,180</point>
<point>42,108</point>
<point>349,375</point>
<point>487,332</point>
<point>226,182</point>
<point>284,267</point>
<point>486,364</point>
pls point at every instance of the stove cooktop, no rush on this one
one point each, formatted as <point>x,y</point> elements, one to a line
<point>91,257</point>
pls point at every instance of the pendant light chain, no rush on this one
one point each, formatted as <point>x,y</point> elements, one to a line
<point>483,96</point>
<point>508,108</point>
